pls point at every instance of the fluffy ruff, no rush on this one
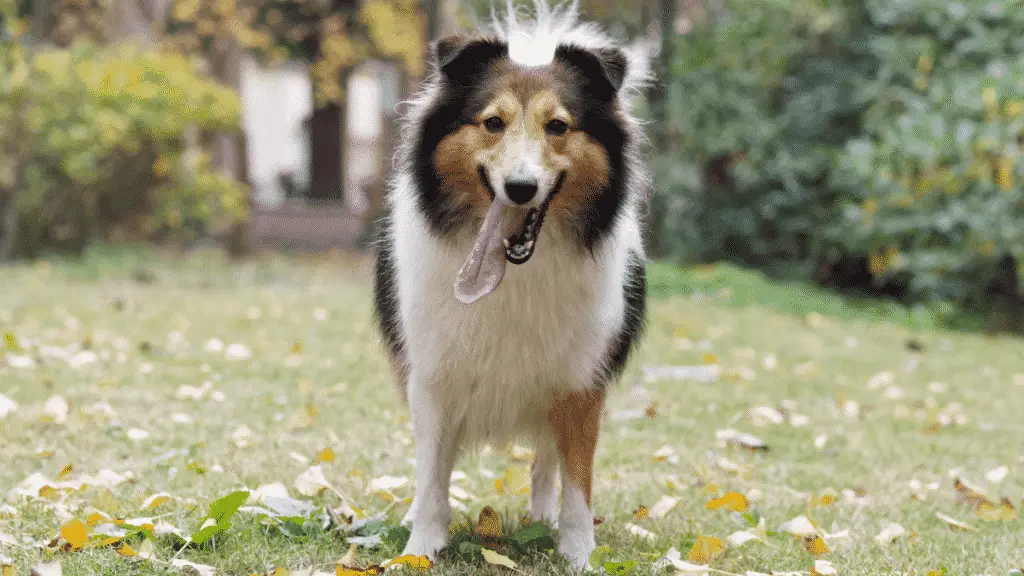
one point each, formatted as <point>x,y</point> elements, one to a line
<point>522,133</point>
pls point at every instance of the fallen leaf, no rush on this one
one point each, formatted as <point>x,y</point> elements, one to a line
<point>970,494</point>
<point>706,549</point>
<point>992,513</point>
<point>995,475</point>
<point>764,415</point>
<point>823,568</point>
<point>640,532</point>
<point>55,410</point>
<point>890,533</point>
<point>386,483</point>
<point>137,434</point>
<point>732,501</point>
<point>815,545</point>
<point>953,522</point>
<point>156,500</point>
<point>496,559</point>
<point>192,568</point>
<point>641,513</point>
<point>489,524</point>
<point>663,507</point>
<point>76,533</point>
<point>125,551</point>
<point>312,482</point>
<point>665,454</point>
<point>369,571</point>
<point>7,406</point>
<point>421,563</point>
<point>799,526</point>
<point>742,439</point>
<point>674,559</point>
<point>51,569</point>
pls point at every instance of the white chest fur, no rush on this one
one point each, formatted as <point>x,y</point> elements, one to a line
<point>547,327</point>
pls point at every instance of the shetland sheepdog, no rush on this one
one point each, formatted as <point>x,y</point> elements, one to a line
<point>521,149</point>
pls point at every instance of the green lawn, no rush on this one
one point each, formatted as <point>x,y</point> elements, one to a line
<point>118,336</point>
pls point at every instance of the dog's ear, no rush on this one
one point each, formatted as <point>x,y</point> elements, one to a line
<point>460,58</point>
<point>603,70</point>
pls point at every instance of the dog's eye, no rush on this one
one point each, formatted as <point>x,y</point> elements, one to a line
<point>494,124</point>
<point>556,128</point>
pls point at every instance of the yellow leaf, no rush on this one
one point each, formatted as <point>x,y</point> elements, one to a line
<point>96,518</point>
<point>496,559</point>
<point>709,358</point>
<point>990,512</point>
<point>489,525</point>
<point>325,455</point>
<point>342,571</point>
<point>517,479</point>
<point>125,550</point>
<point>421,563</point>
<point>75,532</point>
<point>65,472</point>
<point>815,545</point>
<point>706,549</point>
<point>732,501</point>
<point>641,513</point>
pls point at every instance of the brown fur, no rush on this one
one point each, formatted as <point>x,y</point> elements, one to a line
<point>526,101</point>
<point>576,420</point>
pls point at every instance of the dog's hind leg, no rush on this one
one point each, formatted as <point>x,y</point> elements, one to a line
<point>544,482</point>
<point>576,419</point>
<point>436,436</point>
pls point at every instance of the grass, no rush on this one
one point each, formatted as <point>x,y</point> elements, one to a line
<point>952,408</point>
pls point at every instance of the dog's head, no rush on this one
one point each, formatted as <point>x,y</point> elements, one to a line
<point>524,127</point>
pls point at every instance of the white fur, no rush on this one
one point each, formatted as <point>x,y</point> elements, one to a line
<point>486,372</point>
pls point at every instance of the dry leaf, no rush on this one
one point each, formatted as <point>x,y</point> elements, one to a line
<point>799,526</point>
<point>52,569</point>
<point>742,439</point>
<point>325,455</point>
<point>496,559</point>
<point>489,524</point>
<point>674,559</point>
<point>421,563</point>
<point>55,410</point>
<point>311,482</point>
<point>992,513</point>
<point>7,406</point>
<point>369,571</point>
<point>663,507</point>
<point>969,494</point>
<point>517,479</point>
<point>641,513</point>
<point>732,501</point>
<point>815,545</point>
<point>953,522</point>
<point>890,533</point>
<point>706,549</point>
<point>192,568</point>
<point>823,568</point>
<point>76,533</point>
<point>156,500</point>
<point>640,532</point>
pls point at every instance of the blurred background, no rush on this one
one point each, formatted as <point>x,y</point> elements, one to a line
<point>871,146</point>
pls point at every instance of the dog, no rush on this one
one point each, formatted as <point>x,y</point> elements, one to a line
<point>520,148</point>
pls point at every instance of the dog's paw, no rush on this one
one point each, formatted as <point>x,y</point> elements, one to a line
<point>577,546</point>
<point>426,541</point>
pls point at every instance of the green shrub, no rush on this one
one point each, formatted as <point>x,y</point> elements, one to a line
<point>936,197</point>
<point>877,141</point>
<point>94,147</point>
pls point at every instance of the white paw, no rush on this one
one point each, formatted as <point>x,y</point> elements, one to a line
<point>426,541</point>
<point>542,513</point>
<point>577,546</point>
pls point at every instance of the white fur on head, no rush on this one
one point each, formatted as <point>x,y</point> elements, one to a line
<point>533,39</point>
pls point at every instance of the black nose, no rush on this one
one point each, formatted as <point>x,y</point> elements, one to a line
<point>521,191</point>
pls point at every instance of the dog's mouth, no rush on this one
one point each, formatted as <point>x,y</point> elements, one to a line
<point>507,235</point>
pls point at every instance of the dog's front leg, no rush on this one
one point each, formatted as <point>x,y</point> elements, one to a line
<point>436,438</point>
<point>576,420</point>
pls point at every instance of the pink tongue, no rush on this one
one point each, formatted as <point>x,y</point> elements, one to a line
<point>485,266</point>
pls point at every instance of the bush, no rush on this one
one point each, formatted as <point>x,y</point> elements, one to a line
<point>876,142</point>
<point>94,147</point>
<point>936,198</point>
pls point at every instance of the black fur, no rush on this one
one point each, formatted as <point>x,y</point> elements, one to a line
<point>634,321</point>
<point>385,292</point>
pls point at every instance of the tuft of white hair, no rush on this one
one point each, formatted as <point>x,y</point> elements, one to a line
<point>533,38</point>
